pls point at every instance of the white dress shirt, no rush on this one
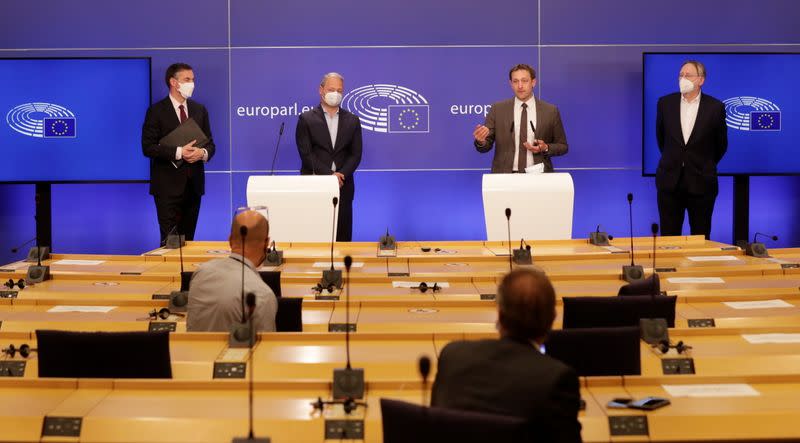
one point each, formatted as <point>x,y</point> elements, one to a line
<point>531,102</point>
<point>176,104</point>
<point>333,130</point>
<point>689,115</point>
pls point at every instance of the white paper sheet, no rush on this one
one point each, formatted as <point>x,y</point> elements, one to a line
<point>712,390</point>
<point>760,339</point>
<point>336,264</point>
<point>700,280</point>
<point>79,262</point>
<point>760,304</point>
<point>64,308</point>
<point>702,258</point>
<point>159,251</point>
<point>414,284</point>
<point>614,249</point>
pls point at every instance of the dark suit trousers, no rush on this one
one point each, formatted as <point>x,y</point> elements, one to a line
<point>672,205</point>
<point>181,211</point>
<point>344,225</point>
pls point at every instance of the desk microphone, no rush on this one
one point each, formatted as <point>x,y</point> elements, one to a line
<point>599,238</point>
<point>510,255</point>
<point>332,277</point>
<point>756,249</point>
<point>33,253</point>
<point>633,271</point>
<point>38,273</point>
<point>648,286</point>
<point>251,307</point>
<point>277,145</point>
<point>348,383</point>
<point>522,256</point>
<point>424,371</point>
<point>178,300</point>
<point>241,333</point>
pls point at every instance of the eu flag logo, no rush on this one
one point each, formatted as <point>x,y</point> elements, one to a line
<point>59,127</point>
<point>409,118</point>
<point>765,121</point>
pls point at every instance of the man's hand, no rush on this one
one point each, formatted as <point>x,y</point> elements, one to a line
<point>538,146</point>
<point>340,176</point>
<point>480,134</point>
<point>187,151</point>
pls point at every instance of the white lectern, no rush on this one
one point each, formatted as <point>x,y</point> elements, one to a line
<point>300,206</point>
<point>541,206</point>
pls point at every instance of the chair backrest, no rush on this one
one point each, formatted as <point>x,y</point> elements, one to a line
<point>103,354</point>
<point>646,286</point>
<point>597,351</point>
<point>613,312</point>
<point>289,317</point>
<point>273,280</point>
<point>405,422</point>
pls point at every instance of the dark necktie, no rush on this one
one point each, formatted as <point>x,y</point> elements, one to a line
<point>522,161</point>
<point>183,113</point>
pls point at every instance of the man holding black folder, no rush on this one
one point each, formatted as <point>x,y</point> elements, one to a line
<point>177,174</point>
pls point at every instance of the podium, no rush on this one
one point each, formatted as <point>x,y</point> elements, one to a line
<point>300,206</point>
<point>541,206</point>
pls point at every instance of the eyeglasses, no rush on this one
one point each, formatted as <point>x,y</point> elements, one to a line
<point>688,76</point>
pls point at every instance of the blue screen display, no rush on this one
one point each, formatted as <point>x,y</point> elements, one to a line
<point>762,104</point>
<point>71,120</point>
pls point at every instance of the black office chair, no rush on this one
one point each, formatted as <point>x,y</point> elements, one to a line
<point>405,422</point>
<point>103,354</point>
<point>289,317</point>
<point>597,351</point>
<point>615,311</point>
<point>647,286</point>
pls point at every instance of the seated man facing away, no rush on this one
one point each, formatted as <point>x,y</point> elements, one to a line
<point>215,294</point>
<point>509,375</point>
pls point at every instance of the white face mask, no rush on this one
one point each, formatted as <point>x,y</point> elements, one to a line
<point>685,85</point>
<point>186,89</point>
<point>333,98</point>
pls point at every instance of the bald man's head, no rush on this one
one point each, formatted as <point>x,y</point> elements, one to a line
<point>257,238</point>
<point>526,304</point>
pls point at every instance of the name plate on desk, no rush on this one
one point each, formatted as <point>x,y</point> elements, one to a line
<point>488,296</point>
<point>161,326</point>
<point>330,297</point>
<point>12,368</point>
<point>344,429</point>
<point>701,323</point>
<point>224,369</point>
<point>398,274</point>
<point>130,273</point>
<point>8,294</point>
<point>160,296</point>
<point>342,327</point>
<point>677,366</point>
<point>712,390</point>
<point>628,425</point>
<point>790,265</point>
<point>62,427</point>
<point>666,270</point>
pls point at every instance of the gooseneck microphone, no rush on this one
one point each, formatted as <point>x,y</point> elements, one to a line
<point>38,273</point>
<point>632,272</point>
<point>424,372</point>
<point>510,256</point>
<point>251,438</point>
<point>772,237</point>
<point>332,278</point>
<point>348,383</point>
<point>243,234</point>
<point>756,249</point>
<point>16,249</point>
<point>348,262</point>
<point>277,146</point>
<point>178,300</point>
<point>656,283</point>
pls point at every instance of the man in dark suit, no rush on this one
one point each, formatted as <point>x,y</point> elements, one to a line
<point>510,376</point>
<point>329,141</point>
<point>526,130</point>
<point>177,175</point>
<point>692,137</point>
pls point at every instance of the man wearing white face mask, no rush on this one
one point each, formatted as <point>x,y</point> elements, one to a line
<point>692,137</point>
<point>177,174</point>
<point>329,142</point>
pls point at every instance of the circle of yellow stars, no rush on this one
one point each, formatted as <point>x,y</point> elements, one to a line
<point>413,117</point>
<point>762,124</point>
<point>62,130</point>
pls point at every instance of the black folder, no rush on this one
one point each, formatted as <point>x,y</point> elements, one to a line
<point>182,135</point>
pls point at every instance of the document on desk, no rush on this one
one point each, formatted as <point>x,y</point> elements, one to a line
<point>760,304</point>
<point>712,390</point>
<point>79,262</point>
<point>696,280</point>
<point>702,258</point>
<point>760,339</point>
<point>336,264</point>
<point>65,308</point>
<point>414,284</point>
<point>159,251</point>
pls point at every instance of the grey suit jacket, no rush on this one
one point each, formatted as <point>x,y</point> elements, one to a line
<point>500,122</point>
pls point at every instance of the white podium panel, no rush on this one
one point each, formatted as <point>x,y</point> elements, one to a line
<point>541,206</point>
<point>300,206</point>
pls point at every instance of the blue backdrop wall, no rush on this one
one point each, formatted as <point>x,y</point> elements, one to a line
<point>257,61</point>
